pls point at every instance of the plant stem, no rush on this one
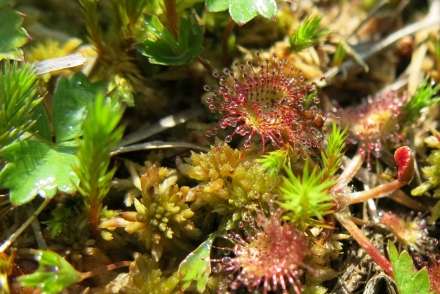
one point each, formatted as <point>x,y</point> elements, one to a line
<point>30,210</point>
<point>344,218</point>
<point>376,192</point>
<point>349,172</point>
<point>23,227</point>
<point>106,268</point>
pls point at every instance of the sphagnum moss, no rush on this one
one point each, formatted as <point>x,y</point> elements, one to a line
<point>162,218</point>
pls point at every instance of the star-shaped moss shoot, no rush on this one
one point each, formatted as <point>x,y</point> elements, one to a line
<point>269,260</point>
<point>162,218</point>
<point>374,122</point>
<point>271,99</point>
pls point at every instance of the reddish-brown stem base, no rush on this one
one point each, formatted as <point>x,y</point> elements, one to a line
<point>344,218</point>
<point>94,222</point>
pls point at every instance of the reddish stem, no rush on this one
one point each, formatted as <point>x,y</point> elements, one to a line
<point>344,218</point>
<point>376,192</point>
<point>105,269</point>
<point>94,222</point>
<point>349,172</point>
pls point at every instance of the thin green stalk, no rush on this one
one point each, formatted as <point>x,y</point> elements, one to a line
<point>23,227</point>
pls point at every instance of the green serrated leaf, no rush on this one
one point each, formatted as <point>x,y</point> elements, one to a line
<point>161,48</point>
<point>243,11</point>
<point>421,281</point>
<point>53,274</point>
<point>70,102</point>
<point>35,168</point>
<point>267,8</point>
<point>197,265</point>
<point>216,5</point>
<point>12,35</point>
<point>407,280</point>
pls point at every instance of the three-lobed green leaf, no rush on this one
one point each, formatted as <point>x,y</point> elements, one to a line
<point>53,274</point>
<point>161,47</point>
<point>407,280</point>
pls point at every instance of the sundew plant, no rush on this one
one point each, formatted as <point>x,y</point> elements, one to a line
<point>219,146</point>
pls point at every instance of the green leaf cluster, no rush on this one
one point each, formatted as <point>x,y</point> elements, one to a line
<point>115,42</point>
<point>18,99</point>
<point>162,48</point>
<point>243,11</point>
<point>101,132</point>
<point>53,274</point>
<point>307,34</point>
<point>12,35</point>
<point>41,166</point>
<point>407,280</point>
<point>426,95</point>
<point>306,197</point>
<point>58,224</point>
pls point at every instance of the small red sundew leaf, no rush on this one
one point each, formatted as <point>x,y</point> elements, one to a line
<point>404,158</point>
